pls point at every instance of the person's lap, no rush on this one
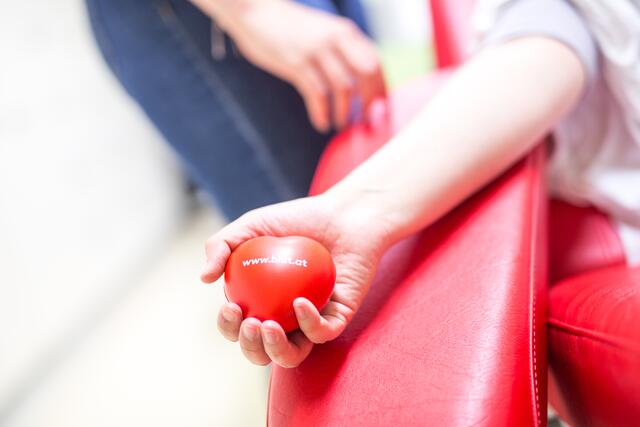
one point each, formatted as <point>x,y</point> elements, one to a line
<point>243,135</point>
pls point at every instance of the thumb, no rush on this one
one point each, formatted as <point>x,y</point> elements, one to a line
<point>217,254</point>
<point>219,246</point>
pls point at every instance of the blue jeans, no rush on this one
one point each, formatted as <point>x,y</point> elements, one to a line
<point>242,134</point>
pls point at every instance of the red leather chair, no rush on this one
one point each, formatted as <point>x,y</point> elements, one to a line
<point>453,330</point>
<point>593,321</point>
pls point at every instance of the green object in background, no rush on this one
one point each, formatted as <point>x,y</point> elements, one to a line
<point>403,62</point>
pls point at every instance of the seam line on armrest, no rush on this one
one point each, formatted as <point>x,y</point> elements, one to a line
<point>534,236</point>
<point>593,335</point>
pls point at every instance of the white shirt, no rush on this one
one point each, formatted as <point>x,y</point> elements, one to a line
<point>596,158</point>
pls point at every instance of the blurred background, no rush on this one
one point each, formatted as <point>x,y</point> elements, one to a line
<point>103,321</point>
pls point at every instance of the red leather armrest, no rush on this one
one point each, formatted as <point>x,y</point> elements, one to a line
<point>452,33</point>
<point>452,332</point>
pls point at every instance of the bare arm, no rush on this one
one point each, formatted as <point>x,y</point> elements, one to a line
<point>487,116</point>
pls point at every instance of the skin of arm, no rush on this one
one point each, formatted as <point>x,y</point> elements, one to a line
<point>489,114</point>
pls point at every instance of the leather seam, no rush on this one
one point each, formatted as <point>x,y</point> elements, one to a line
<point>600,337</point>
<point>532,283</point>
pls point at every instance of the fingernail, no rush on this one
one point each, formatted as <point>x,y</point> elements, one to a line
<point>270,337</point>
<point>228,315</point>
<point>250,333</point>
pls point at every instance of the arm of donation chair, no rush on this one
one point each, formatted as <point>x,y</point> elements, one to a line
<point>452,332</point>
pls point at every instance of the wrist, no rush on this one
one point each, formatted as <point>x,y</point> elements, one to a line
<point>365,210</point>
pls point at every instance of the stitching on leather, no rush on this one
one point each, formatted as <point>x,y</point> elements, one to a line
<point>531,162</point>
<point>532,284</point>
<point>600,337</point>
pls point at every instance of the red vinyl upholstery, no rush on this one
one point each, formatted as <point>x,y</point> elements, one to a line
<point>594,338</point>
<point>594,313</point>
<point>595,381</point>
<point>452,34</point>
<point>580,240</point>
<point>453,330</point>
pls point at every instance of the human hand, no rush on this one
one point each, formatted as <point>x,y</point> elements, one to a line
<point>325,57</point>
<point>356,247</point>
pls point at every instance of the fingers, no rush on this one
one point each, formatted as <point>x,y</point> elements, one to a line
<point>287,353</point>
<point>320,328</point>
<point>340,80</point>
<point>313,88</point>
<point>329,77</point>
<point>251,342</point>
<point>229,320</point>
<point>262,343</point>
<point>219,246</point>
<point>359,54</point>
<point>217,252</point>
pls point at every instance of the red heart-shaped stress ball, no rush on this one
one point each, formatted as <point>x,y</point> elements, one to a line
<point>264,275</point>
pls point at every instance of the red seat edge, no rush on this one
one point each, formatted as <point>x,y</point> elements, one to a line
<point>594,347</point>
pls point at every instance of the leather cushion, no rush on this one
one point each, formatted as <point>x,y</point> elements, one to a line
<point>580,240</point>
<point>452,332</point>
<point>594,340</point>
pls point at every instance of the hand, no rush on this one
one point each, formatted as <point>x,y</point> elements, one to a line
<point>356,248</point>
<point>325,57</point>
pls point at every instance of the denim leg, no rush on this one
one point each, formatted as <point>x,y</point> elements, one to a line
<point>353,10</point>
<point>242,134</point>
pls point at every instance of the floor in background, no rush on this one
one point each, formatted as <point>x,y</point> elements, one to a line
<point>157,359</point>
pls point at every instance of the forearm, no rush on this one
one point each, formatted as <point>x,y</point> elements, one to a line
<point>488,115</point>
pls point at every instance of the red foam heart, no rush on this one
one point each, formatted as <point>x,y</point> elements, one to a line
<point>265,274</point>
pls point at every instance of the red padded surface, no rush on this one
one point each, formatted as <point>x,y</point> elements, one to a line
<point>580,240</point>
<point>452,332</point>
<point>452,34</point>
<point>594,344</point>
<point>356,144</point>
